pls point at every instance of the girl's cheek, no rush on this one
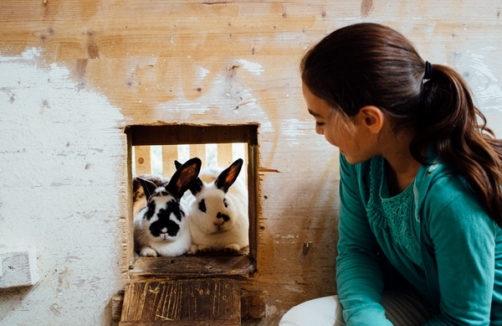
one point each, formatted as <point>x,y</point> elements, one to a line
<point>331,138</point>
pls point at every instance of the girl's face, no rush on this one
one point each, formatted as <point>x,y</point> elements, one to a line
<point>354,142</point>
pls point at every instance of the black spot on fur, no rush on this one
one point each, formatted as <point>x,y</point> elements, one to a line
<point>202,206</point>
<point>173,207</point>
<point>164,221</point>
<point>225,202</point>
<point>223,216</point>
<point>196,186</point>
<point>157,226</point>
<point>150,211</point>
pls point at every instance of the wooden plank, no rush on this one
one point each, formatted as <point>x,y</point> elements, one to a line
<point>182,302</point>
<point>253,305</point>
<point>188,134</point>
<point>143,161</point>
<point>225,157</point>
<point>179,323</point>
<point>169,154</point>
<point>128,225</point>
<point>117,303</point>
<point>203,265</point>
<point>252,183</point>
<point>200,152</point>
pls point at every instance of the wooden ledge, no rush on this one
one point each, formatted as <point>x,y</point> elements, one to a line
<point>199,302</point>
<point>192,266</point>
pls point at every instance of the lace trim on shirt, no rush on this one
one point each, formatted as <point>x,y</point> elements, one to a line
<point>396,210</point>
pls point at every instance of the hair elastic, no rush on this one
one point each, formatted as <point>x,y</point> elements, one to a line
<point>428,72</point>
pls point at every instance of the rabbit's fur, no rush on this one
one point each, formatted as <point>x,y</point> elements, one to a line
<point>218,210</point>
<point>138,192</point>
<point>161,227</point>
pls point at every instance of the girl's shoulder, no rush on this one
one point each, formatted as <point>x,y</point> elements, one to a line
<point>444,197</point>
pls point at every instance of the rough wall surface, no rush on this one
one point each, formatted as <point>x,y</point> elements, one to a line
<point>74,74</point>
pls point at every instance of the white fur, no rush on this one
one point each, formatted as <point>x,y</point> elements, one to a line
<point>163,245</point>
<point>231,235</point>
<point>168,221</point>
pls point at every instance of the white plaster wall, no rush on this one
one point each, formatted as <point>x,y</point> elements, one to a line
<point>61,163</point>
<point>62,150</point>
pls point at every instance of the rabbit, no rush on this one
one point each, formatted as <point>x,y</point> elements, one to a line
<point>138,193</point>
<point>161,227</point>
<point>218,210</point>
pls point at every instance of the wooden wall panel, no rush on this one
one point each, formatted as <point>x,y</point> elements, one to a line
<point>201,63</point>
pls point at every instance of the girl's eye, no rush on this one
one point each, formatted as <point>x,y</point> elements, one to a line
<point>319,124</point>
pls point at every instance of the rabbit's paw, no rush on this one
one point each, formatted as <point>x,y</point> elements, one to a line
<point>232,247</point>
<point>193,250</point>
<point>202,248</point>
<point>148,252</point>
<point>199,249</point>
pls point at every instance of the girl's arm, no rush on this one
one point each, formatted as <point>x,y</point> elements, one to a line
<point>358,275</point>
<point>463,240</point>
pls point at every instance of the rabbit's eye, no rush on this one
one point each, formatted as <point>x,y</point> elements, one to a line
<point>151,210</point>
<point>225,202</point>
<point>202,206</point>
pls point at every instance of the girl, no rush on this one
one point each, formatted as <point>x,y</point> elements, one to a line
<point>421,199</point>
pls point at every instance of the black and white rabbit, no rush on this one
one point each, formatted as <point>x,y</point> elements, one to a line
<point>138,193</point>
<point>161,227</point>
<point>218,210</point>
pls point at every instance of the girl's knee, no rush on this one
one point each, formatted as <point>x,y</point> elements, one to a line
<point>321,311</point>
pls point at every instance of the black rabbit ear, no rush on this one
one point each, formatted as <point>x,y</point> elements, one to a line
<point>177,164</point>
<point>184,176</point>
<point>196,186</point>
<point>148,186</point>
<point>228,176</point>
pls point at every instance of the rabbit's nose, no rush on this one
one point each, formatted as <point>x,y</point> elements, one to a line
<point>219,222</point>
<point>164,231</point>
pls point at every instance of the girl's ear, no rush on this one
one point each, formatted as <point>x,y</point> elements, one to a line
<point>371,118</point>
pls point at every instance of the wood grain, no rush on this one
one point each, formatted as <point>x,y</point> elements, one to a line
<point>182,302</point>
<point>184,267</point>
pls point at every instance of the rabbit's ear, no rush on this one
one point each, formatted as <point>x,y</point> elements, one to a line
<point>196,186</point>
<point>148,186</point>
<point>228,176</point>
<point>183,177</point>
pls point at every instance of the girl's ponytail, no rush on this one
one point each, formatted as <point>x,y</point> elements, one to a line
<point>457,130</point>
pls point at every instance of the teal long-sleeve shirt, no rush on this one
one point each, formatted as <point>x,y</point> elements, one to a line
<point>435,234</point>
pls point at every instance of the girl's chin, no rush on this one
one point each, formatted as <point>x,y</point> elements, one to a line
<point>353,160</point>
<point>349,159</point>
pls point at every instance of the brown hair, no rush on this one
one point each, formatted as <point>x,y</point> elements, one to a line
<point>371,64</point>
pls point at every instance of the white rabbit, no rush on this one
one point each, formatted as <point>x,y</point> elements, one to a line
<point>161,227</point>
<point>218,210</point>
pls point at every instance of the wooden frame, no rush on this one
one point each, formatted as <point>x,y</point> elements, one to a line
<point>141,135</point>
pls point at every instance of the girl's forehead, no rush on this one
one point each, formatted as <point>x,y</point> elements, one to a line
<point>314,103</point>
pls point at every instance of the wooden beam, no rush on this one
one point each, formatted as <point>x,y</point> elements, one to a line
<point>189,134</point>
<point>169,154</point>
<point>203,265</point>
<point>142,160</point>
